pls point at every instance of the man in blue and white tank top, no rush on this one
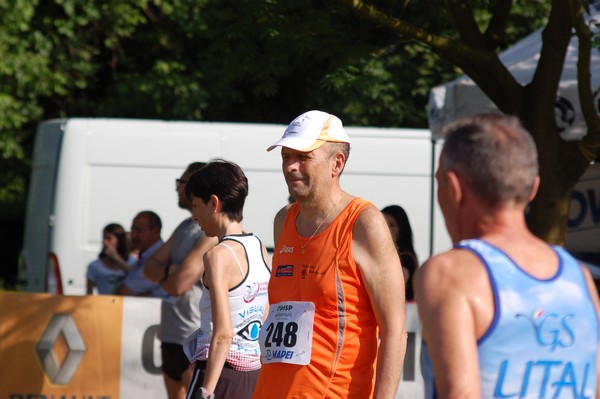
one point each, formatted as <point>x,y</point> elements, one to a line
<point>504,314</point>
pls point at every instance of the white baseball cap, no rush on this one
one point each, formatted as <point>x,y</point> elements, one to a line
<point>311,130</point>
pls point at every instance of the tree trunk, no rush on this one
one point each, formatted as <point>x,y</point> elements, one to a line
<point>561,166</point>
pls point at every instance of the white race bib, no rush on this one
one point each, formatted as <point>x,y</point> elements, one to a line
<point>286,335</point>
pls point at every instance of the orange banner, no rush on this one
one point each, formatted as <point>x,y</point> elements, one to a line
<point>60,346</point>
<point>105,347</point>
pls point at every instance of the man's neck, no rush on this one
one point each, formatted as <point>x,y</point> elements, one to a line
<point>507,221</point>
<point>319,214</point>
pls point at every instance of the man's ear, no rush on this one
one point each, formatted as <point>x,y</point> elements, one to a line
<point>534,189</point>
<point>339,161</point>
<point>456,187</point>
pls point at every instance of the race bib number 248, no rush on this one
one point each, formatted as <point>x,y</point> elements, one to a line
<point>286,335</point>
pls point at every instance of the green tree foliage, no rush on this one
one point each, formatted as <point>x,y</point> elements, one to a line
<point>50,51</point>
<point>227,60</point>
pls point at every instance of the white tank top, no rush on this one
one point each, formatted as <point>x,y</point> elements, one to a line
<point>247,304</point>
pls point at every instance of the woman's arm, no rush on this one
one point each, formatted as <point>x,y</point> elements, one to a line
<point>268,260</point>
<point>217,280</point>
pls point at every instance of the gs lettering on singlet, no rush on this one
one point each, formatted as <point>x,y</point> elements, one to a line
<point>286,335</point>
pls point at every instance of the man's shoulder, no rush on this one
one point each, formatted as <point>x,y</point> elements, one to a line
<point>442,260</point>
<point>368,216</point>
<point>449,270</point>
<point>153,248</point>
<point>283,212</point>
<point>365,208</point>
<point>185,222</point>
<point>187,226</point>
<point>453,257</point>
<point>372,243</point>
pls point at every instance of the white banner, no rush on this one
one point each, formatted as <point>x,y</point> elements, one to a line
<point>141,376</point>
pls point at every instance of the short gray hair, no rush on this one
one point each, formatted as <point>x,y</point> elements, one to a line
<point>494,154</point>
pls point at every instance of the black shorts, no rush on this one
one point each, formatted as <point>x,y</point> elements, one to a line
<point>174,360</point>
<point>231,384</point>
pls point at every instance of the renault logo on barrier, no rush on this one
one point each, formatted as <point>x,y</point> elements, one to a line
<point>60,373</point>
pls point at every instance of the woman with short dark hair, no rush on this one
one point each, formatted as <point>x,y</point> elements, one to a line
<point>225,349</point>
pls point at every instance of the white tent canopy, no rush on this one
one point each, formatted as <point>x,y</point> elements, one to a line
<point>461,97</point>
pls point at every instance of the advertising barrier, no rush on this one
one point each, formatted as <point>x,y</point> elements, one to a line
<point>105,347</point>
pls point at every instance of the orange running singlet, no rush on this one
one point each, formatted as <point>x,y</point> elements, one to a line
<point>344,343</point>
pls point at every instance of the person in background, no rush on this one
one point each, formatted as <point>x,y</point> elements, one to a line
<point>397,221</point>
<point>336,285</point>
<point>108,271</point>
<point>504,314</point>
<point>145,235</point>
<point>133,252</point>
<point>180,255</point>
<point>225,350</point>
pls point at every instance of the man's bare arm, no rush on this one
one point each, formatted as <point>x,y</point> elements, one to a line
<point>154,268</point>
<point>182,277</point>
<point>448,325</point>
<point>376,256</point>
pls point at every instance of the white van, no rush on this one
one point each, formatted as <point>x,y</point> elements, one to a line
<point>87,173</point>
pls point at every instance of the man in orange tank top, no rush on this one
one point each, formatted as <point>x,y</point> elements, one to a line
<point>336,284</point>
